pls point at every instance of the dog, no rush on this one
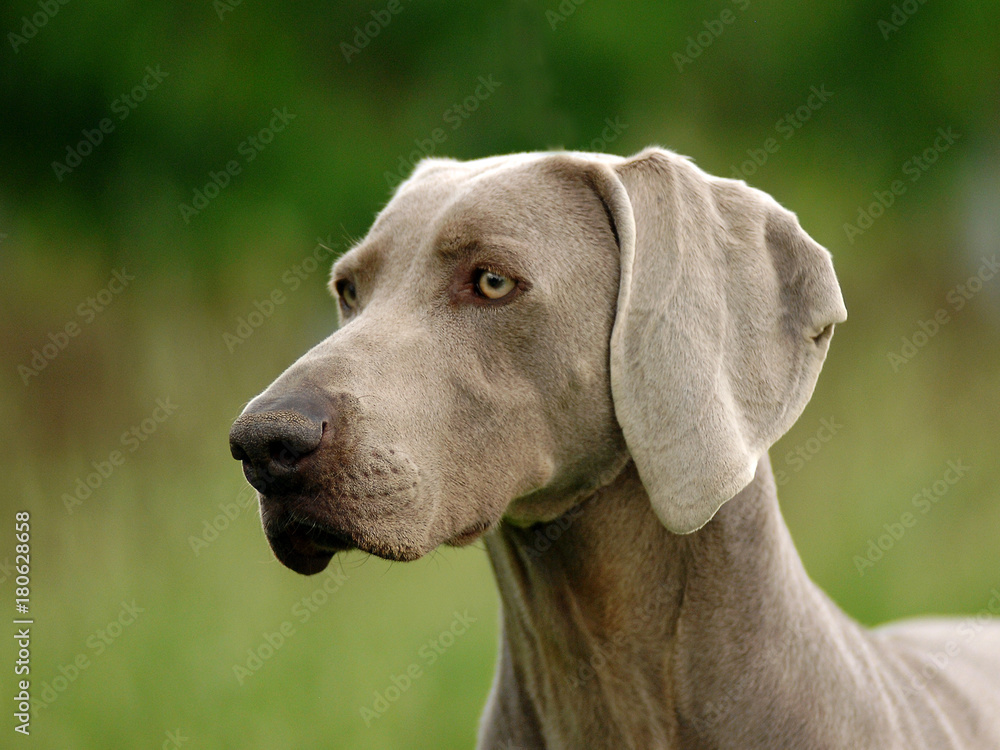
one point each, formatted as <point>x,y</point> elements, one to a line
<point>602,349</point>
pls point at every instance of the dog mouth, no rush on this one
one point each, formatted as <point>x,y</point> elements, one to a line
<point>305,547</point>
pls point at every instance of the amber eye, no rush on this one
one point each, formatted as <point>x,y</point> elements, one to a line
<point>493,285</point>
<point>348,294</point>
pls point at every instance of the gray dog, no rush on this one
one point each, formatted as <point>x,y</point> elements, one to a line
<point>602,349</point>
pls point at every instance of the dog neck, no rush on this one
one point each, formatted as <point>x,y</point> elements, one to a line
<point>619,633</point>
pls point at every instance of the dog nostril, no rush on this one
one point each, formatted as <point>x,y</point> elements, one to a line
<point>285,455</point>
<point>271,444</point>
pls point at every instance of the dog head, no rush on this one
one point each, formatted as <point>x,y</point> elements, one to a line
<point>514,330</point>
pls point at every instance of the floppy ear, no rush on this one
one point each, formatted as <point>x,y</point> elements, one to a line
<point>725,312</point>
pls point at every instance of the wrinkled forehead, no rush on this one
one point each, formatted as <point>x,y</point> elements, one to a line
<point>509,199</point>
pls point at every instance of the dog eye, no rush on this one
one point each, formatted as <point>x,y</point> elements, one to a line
<point>493,285</point>
<point>348,293</point>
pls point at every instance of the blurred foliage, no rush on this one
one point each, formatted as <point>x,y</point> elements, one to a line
<point>577,75</point>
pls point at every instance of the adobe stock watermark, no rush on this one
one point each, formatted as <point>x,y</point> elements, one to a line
<point>547,534</point>
<point>701,41</point>
<point>222,7</point>
<point>611,132</point>
<point>173,739</point>
<point>86,313</point>
<point>97,643</point>
<point>249,148</point>
<point>564,10</point>
<point>797,458</point>
<point>427,655</point>
<point>131,440</point>
<point>122,107</point>
<point>967,630</point>
<point>212,528</point>
<point>302,611</point>
<point>291,281</point>
<point>786,127</point>
<point>47,10</point>
<point>914,168</point>
<point>957,298</point>
<point>363,35</point>
<point>736,691</point>
<point>587,669</point>
<point>901,13</point>
<point>454,117</point>
<point>923,502</point>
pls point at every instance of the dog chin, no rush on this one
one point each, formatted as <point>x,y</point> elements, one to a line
<point>306,548</point>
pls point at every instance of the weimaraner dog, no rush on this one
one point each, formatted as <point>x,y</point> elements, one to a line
<point>583,359</point>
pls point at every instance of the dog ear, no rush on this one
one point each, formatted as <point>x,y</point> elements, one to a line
<point>725,312</point>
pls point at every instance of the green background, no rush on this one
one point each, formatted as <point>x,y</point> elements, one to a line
<point>713,81</point>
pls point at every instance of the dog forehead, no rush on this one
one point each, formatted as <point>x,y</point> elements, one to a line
<point>447,203</point>
<point>509,200</point>
<point>474,197</point>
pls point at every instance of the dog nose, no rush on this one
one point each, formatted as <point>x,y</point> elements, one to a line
<point>271,444</point>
